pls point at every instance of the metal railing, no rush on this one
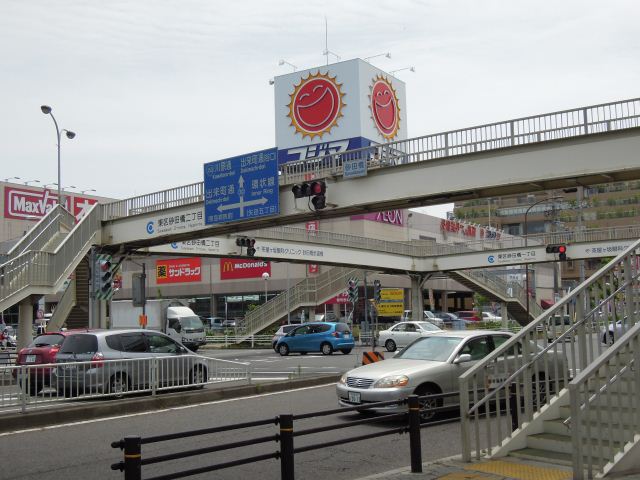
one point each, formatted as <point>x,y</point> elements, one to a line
<point>605,420</point>
<point>234,339</point>
<point>565,124</point>
<point>42,232</point>
<point>308,292</point>
<point>26,387</point>
<point>574,331</point>
<point>410,422</point>
<point>45,269</point>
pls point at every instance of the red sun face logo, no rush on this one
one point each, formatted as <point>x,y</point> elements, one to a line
<point>384,107</point>
<point>316,104</point>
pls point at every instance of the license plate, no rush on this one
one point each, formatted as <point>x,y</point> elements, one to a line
<point>31,359</point>
<point>354,397</point>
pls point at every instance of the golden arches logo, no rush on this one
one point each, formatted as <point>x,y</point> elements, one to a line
<point>227,267</point>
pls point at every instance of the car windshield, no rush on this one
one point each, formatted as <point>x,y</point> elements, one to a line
<point>435,348</point>
<point>191,322</point>
<point>47,340</point>
<point>428,326</point>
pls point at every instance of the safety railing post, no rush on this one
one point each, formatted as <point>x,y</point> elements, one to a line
<point>514,406</point>
<point>286,447</point>
<point>132,458</point>
<point>415,446</point>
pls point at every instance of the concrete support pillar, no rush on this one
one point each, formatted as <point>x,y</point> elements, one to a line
<point>103,315</point>
<point>214,305</point>
<point>505,316</point>
<point>417,301</point>
<point>444,301</point>
<point>25,322</point>
<point>312,314</point>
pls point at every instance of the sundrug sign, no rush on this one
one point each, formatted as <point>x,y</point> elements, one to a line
<point>23,204</point>
<point>235,268</point>
<point>333,108</point>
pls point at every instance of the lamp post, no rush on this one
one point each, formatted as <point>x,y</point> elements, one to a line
<point>265,277</point>
<point>46,109</point>
<point>526,232</point>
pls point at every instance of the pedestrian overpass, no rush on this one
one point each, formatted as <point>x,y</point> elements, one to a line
<point>562,149</point>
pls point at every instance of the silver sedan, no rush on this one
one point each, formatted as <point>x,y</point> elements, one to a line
<point>430,365</point>
<point>403,333</point>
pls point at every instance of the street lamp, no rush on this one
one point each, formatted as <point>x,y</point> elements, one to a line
<point>46,109</point>
<point>265,277</point>
<point>526,232</point>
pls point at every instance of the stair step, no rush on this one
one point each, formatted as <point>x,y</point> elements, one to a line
<point>547,456</point>
<point>551,441</point>
<point>557,427</point>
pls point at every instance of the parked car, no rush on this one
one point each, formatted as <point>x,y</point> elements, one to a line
<point>41,350</point>
<point>429,365</point>
<point>177,365</point>
<point>281,332</point>
<point>557,325</point>
<point>490,317</point>
<point>615,330</point>
<point>402,334</point>
<point>470,315</point>
<point>231,323</point>
<point>429,316</point>
<point>325,337</point>
<point>215,324</point>
<point>452,321</point>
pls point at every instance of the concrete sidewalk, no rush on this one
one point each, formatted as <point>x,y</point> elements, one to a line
<point>506,468</point>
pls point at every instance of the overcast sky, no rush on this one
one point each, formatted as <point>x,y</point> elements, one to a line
<point>154,89</point>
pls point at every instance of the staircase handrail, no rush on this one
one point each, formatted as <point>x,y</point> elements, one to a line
<point>534,357</point>
<point>309,291</point>
<point>614,358</point>
<point>38,236</point>
<point>45,269</point>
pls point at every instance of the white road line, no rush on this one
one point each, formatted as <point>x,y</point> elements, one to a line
<point>184,407</point>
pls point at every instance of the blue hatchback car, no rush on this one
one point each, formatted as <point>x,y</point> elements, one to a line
<point>325,337</point>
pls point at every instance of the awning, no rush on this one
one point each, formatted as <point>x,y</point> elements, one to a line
<point>546,303</point>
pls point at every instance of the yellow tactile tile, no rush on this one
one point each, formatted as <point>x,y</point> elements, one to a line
<point>520,471</point>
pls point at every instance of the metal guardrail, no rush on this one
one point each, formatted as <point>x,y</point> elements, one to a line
<point>564,124</point>
<point>134,460</point>
<point>27,387</point>
<point>594,307</point>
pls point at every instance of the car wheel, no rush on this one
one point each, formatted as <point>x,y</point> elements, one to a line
<point>118,385</point>
<point>427,404</point>
<point>390,345</point>
<point>195,348</point>
<point>69,391</point>
<point>303,353</point>
<point>611,338</point>
<point>33,387</point>
<point>346,351</point>
<point>198,375</point>
<point>326,349</point>
<point>283,349</point>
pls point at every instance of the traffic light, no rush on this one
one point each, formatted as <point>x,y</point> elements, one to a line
<point>352,290</point>
<point>315,189</point>
<point>104,271</point>
<point>377,286</point>
<point>247,242</point>
<point>561,250</point>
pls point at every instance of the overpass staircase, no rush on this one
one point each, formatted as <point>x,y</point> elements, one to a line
<point>496,289</point>
<point>569,396</point>
<point>47,255</point>
<point>309,292</point>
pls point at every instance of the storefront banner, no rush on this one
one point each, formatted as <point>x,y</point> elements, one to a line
<point>178,270</point>
<point>237,268</point>
<point>26,204</point>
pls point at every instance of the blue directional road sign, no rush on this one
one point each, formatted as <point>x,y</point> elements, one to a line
<point>240,188</point>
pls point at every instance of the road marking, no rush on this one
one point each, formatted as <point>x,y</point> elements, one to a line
<point>184,407</point>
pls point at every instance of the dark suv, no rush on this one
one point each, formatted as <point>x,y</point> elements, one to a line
<point>119,361</point>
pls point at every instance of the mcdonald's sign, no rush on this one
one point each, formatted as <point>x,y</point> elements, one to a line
<point>237,268</point>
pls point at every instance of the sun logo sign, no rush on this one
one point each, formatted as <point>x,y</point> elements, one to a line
<point>384,107</point>
<point>316,104</point>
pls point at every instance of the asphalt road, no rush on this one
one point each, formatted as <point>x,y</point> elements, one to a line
<point>82,450</point>
<point>269,365</point>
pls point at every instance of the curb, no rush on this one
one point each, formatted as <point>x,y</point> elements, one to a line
<point>91,410</point>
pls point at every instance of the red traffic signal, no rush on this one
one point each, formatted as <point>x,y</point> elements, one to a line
<point>315,189</point>
<point>561,250</point>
